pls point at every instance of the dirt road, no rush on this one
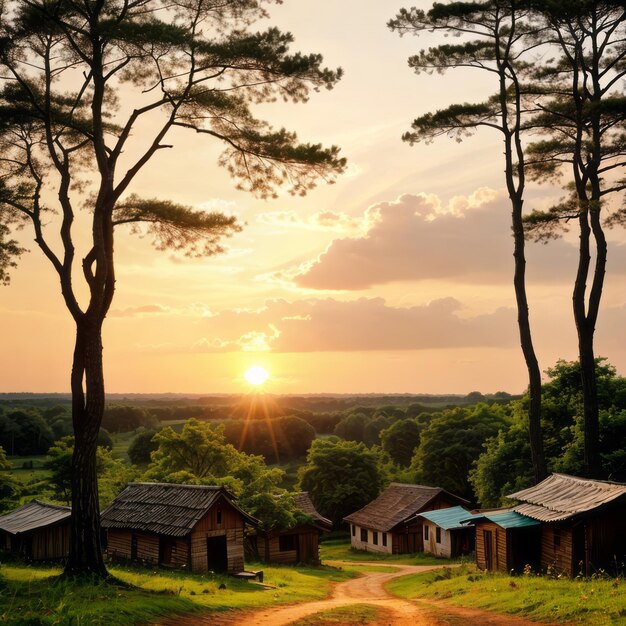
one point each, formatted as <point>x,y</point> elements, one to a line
<point>368,588</point>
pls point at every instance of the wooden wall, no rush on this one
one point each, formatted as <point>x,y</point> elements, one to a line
<point>499,547</point>
<point>306,550</point>
<point>50,543</point>
<point>119,543</point>
<point>444,547</point>
<point>557,549</point>
<point>232,526</point>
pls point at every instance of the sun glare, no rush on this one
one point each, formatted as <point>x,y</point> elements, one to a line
<point>256,375</point>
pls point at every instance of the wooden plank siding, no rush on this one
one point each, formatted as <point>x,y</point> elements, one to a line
<point>500,561</point>
<point>305,541</point>
<point>50,543</point>
<point>557,549</point>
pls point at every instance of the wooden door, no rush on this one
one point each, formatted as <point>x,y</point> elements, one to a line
<point>488,541</point>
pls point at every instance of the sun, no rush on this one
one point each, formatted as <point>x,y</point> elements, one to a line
<point>256,375</point>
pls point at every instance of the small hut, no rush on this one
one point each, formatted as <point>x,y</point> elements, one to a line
<point>295,545</point>
<point>582,522</point>
<point>505,540</point>
<point>38,530</point>
<point>194,526</point>
<point>444,534</point>
<point>389,523</point>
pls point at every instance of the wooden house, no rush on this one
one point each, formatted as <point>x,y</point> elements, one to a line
<point>506,541</point>
<point>37,531</point>
<point>582,522</point>
<point>389,523</point>
<point>191,526</point>
<point>295,545</point>
<point>444,533</point>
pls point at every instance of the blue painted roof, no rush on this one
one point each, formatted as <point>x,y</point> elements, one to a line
<point>505,519</point>
<point>447,518</point>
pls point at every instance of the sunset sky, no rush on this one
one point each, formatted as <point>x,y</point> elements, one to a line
<point>398,278</point>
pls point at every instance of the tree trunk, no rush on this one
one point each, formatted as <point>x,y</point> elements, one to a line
<point>85,556</point>
<point>528,349</point>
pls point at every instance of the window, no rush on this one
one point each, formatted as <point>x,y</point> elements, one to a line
<point>557,538</point>
<point>287,543</point>
<point>218,516</point>
<point>425,533</point>
<point>363,535</point>
<point>384,539</point>
<point>353,530</point>
<point>438,534</point>
<point>375,538</point>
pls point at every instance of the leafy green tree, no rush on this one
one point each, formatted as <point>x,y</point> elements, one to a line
<point>113,474</point>
<point>341,477</point>
<point>400,441</point>
<point>582,130</point>
<point>119,418</point>
<point>491,36</point>
<point>142,446</point>
<point>199,454</point>
<point>452,443</point>
<point>505,467</point>
<point>351,427</point>
<point>10,488</point>
<point>70,140</point>
<point>25,432</point>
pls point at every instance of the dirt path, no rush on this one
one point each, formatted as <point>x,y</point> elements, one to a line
<point>368,588</point>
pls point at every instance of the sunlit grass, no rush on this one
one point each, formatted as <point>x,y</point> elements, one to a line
<point>595,601</point>
<point>35,596</point>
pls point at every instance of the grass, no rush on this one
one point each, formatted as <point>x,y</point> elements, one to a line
<point>592,602</point>
<point>26,474</point>
<point>340,550</point>
<point>32,596</point>
<point>346,616</point>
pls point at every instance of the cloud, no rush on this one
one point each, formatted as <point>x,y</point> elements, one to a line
<point>138,311</point>
<point>418,238</point>
<point>329,325</point>
<point>322,220</point>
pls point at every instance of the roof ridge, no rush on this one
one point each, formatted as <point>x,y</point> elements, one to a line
<point>50,505</point>
<point>178,485</point>
<point>589,480</point>
<point>395,484</point>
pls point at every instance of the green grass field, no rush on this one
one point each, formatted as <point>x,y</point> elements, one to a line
<point>592,602</point>
<point>33,596</point>
<point>340,550</point>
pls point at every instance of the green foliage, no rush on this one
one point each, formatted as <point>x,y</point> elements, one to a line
<point>9,252</point>
<point>199,454</point>
<point>10,488</point>
<point>278,440</point>
<point>504,466</point>
<point>451,444</point>
<point>341,477</point>
<point>142,446</point>
<point>113,474</point>
<point>25,432</point>
<point>124,418</point>
<point>400,441</point>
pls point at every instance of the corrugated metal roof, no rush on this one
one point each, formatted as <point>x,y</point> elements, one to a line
<point>561,496</point>
<point>165,508</point>
<point>305,504</point>
<point>448,519</point>
<point>396,504</point>
<point>505,519</point>
<point>34,515</point>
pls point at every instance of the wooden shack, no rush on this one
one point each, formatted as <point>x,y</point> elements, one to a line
<point>187,526</point>
<point>295,545</point>
<point>38,530</point>
<point>506,541</point>
<point>389,523</point>
<point>582,523</point>
<point>444,533</point>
